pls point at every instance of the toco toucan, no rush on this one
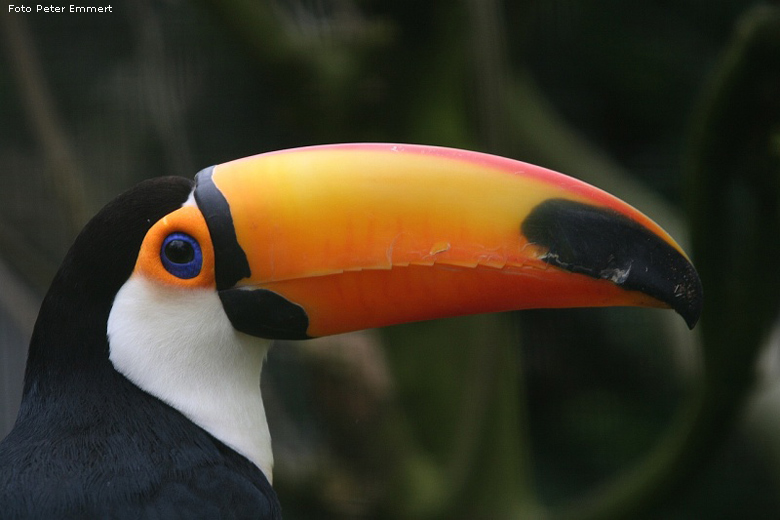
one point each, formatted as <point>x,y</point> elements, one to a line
<point>142,388</point>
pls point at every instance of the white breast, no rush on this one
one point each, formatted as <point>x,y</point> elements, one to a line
<point>178,345</point>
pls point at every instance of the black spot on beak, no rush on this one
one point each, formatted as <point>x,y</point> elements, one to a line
<point>604,244</point>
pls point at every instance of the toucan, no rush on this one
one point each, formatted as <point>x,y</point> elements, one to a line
<point>141,393</point>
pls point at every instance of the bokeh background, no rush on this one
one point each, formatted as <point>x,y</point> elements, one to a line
<point>579,414</point>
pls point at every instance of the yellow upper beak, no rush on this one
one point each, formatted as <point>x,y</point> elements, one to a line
<point>337,238</point>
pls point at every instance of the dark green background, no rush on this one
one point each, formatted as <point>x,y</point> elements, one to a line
<point>605,413</point>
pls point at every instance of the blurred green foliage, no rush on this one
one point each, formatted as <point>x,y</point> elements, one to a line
<point>606,413</point>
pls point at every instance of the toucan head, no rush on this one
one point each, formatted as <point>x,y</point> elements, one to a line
<point>322,240</point>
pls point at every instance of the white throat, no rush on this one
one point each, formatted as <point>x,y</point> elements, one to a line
<point>178,345</point>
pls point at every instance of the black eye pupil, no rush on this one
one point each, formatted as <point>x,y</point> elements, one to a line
<point>179,251</point>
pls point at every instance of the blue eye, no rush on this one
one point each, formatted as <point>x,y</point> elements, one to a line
<point>181,255</point>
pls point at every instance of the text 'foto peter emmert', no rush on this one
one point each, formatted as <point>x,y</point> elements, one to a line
<point>59,9</point>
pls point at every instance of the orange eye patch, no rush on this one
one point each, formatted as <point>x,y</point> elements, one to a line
<point>177,250</point>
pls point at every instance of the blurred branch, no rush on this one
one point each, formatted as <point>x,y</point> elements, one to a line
<point>735,180</point>
<point>472,459</point>
<point>491,65</point>
<point>64,169</point>
<point>489,469</point>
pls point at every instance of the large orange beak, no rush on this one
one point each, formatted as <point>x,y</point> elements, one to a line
<point>329,239</point>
